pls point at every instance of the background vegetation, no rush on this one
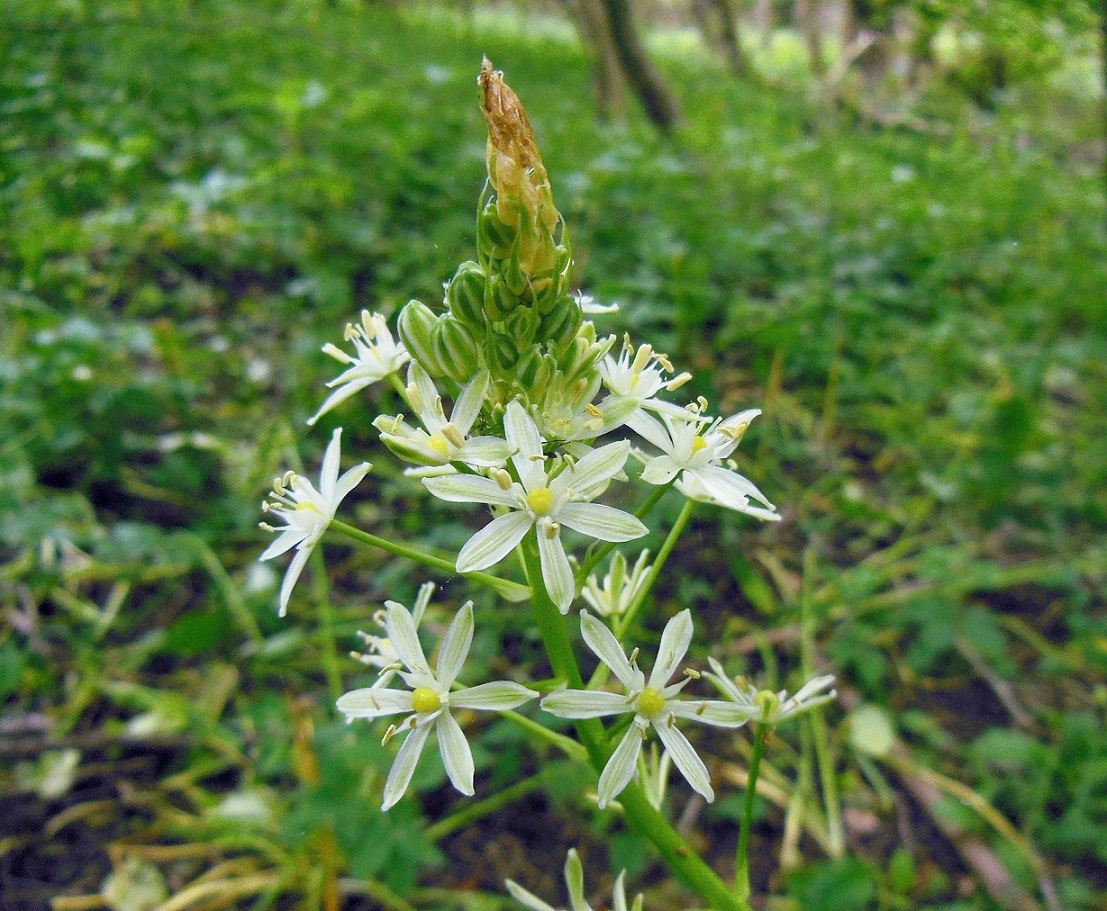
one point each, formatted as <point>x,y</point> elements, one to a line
<point>908,279</point>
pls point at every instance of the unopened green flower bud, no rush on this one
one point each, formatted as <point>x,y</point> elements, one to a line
<point>522,324</point>
<point>456,348</point>
<point>465,294</point>
<point>562,322</point>
<point>416,328</point>
<point>534,369</point>
<point>498,299</point>
<point>503,354</point>
<point>493,236</point>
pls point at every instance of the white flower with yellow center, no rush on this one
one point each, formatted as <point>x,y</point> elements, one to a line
<point>378,355</point>
<point>574,879</point>
<point>691,453</point>
<point>771,708</point>
<point>442,440</point>
<point>652,702</point>
<point>307,512</point>
<point>541,500</point>
<point>429,700</point>
<point>640,375</point>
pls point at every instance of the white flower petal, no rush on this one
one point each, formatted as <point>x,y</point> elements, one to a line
<point>603,522</point>
<point>651,430</point>
<point>455,647</point>
<point>598,466</point>
<point>349,481</point>
<point>469,402</point>
<point>493,542</point>
<point>373,702</point>
<point>328,474</point>
<point>340,395</point>
<point>686,759</point>
<point>456,755</point>
<point>485,452</point>
<point>291,575</point>
<point>557,574</point>
<point>585,703</point>
<point>606,647</point>
<point>401,634</point>
<point>404,765</point>
<point>711,711</point>
<point>498,696</point>
<point>288,538</point>
<point>729,484</point>
<point>620,767</point>
<point>522,895</point>
<point>574,879</point>
<point>523,436</point>
<point>675,640</point>
<point>467,488</point>
<point>660,470</point>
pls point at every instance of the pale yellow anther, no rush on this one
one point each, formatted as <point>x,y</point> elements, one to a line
<point>502,478</point>
<point>677,381</point>
<point>650,703</point>
<point>593,410</point>
<point>425,700</point>
<point>438,444</point>
<point>539,501</point>
<point>451,433</point>
<point>641,358</point>
<point>552,529</point>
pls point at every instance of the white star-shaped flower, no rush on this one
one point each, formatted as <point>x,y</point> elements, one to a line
<point>640,375</point>
<point>307,512</point>
<point>441,441</point>
<point>692,453</point>
<point>574,879</point>
<point>651,701</point>
<point>771,708</point>
<point>430,700</point>
<point>378,355</point>
<point>541,500</point>
<point>619,588</point>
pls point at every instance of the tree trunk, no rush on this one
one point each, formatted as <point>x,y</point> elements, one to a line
<point>658,101</point>
<point>724,34</point>
<point>807,18</point>
<point>607,75</point>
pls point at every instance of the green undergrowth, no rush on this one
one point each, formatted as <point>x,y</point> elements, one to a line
<point>195,196</point>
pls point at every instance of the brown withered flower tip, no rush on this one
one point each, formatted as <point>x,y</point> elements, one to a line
<point>509,130</point>
<point>515,169</point>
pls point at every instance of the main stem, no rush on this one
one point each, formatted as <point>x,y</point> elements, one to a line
<point>678,855</point>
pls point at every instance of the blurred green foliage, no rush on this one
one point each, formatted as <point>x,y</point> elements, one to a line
<point>194,196</point>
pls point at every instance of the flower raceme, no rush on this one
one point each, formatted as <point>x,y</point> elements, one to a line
<point>430,699</point>
<point>653,702</point>
<point>307,512</point>
<point>545,495</point>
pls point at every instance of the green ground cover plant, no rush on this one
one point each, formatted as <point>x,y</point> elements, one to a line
<point>191,205</point>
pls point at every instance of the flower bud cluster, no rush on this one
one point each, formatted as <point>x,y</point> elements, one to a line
<point>510,311</point>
